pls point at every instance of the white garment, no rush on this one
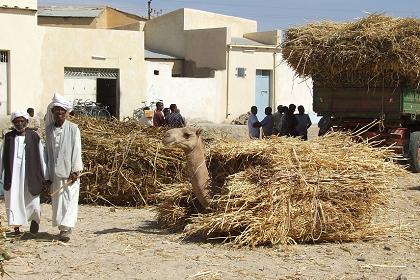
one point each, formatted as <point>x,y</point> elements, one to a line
<point>254,132</point>
<point>21,205</point>
<point>65,201</point>
<point>18,114</point>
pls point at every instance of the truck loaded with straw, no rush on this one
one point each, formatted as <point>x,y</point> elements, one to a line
<point>365,74</point>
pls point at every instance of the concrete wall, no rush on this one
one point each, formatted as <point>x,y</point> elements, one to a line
<point>71,47</point>
<point>199,99</point>
<point>19,36</point>
<point>207,47</point>
<point>166,33</point>
<point>196,19</point>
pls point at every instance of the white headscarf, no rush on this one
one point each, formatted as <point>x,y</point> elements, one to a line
<point>18,114</point>
<point>57,101</point>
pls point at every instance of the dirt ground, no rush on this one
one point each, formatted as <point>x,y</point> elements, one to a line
<point>121,243</point>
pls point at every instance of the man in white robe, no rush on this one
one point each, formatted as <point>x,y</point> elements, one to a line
<point>23,171</point>
<point>64,161</point>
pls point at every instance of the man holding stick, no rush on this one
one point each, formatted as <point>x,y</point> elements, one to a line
<point>64,160</point>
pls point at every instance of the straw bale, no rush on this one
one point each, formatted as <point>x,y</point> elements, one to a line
<point>285,190</point>
<point>376,51</point>
<point>127,162</point>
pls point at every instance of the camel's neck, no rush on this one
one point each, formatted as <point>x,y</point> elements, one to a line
<point>198,173</point>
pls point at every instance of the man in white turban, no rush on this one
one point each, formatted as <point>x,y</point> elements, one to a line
<point>64,161</point>
<point>23,171</point>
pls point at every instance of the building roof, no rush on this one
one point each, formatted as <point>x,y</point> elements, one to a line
<point>148,54</point>
<point>240,41</point>
<point>70,11</point>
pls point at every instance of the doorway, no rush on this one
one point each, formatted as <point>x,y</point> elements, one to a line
<point>262,91</point>
<point>4,60</point>
<point>106,94</point>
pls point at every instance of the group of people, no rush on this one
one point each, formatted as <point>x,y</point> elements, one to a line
<point>27,166</point>
<point>284,122</point>
<point>170,117</point>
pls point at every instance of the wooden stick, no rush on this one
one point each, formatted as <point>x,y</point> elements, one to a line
<point>69,183</point>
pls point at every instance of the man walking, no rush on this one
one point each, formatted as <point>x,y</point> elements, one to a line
<point>22,161</point>
<point>64,159</point>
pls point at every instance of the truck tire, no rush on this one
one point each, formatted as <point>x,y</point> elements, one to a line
<point>414,153</point>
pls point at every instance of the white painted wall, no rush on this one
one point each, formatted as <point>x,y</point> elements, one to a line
<point>292,89</point>
<point>199,99</point>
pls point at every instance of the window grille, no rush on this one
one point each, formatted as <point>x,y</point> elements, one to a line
<point>70,72</point>
<point>241,72</point>
<point>4,56</point>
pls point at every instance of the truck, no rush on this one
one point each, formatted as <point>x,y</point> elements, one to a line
<point>388,115</point>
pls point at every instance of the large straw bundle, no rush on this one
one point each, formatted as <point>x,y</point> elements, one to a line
<point>286,190</point>
<point>127,162</point>
<point>376,50</point>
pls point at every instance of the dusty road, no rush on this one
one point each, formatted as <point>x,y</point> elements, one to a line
<point>111,243</point>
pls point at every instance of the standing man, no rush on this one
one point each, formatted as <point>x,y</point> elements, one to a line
<point>288,122</point>
<point>253,124</point>
<point>267,123</point>
<point>277,120</point>
<point>22,161</point>
<point>33,121</point>
<point>158,118</point>
<point>174,118</point>
<point>303,123</point>
<point>64,159</point>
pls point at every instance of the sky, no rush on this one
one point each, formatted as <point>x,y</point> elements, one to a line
<point>270,14</point>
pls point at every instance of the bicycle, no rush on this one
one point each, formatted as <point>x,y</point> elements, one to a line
<point>140,112</point>
<point>91,108</point>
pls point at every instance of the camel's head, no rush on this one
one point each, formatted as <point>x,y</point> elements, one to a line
<point>186,138</point>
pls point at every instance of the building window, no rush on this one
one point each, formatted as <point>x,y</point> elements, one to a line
<point>156,72</point>
<point>4,56</point>
<point>241,72</point>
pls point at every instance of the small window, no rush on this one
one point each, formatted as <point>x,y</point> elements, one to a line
<point>156,72</point>
<point>4,56</point>
<point>241,72</point>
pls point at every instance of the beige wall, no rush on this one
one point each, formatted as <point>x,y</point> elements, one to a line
<point>166,33</point>
<point>70,47</point>
<point>111,18</point>
<point>207,47</point>
<point>19,36</point>
<point>196,19</point>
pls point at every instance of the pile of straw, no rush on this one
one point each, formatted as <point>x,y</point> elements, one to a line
<point>126,161</point>
<point>373,51</point>
<point>285,190</point>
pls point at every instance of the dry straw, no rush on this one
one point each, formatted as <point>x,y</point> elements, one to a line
<point>285,190</point>
<point>373,51</point>
<point>126,161</point>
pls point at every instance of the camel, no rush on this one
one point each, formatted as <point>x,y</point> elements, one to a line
<point>189,139</point>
